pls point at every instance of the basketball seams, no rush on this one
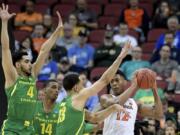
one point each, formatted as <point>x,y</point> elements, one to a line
<point>142,77</point>
<point>145,78</point>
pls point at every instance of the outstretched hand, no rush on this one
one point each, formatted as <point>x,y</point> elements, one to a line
<point>60,24</point>
<point>4,14</point>
<point>126,49</point>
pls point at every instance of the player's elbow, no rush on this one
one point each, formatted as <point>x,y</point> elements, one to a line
<point>94,118</point>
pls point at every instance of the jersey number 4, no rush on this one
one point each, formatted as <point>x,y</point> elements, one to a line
<point>31,92</point>
<point>46,129</point>
<point>125,116</point>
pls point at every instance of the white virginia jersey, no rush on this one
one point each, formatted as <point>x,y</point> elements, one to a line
<point>121,123</point>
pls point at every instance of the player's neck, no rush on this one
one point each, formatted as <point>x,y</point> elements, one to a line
<point>71,93</point>
<point>48,105</point>
<point>23,74</point>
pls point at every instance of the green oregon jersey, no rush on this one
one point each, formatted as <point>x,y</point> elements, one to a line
<point>22,97</point>
<point>70,121</point>
<point>45,123</point>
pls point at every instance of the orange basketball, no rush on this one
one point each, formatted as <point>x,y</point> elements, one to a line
<point>145,78</point>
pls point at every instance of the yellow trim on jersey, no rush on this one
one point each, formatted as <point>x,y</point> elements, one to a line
<point>14,89</point>
<point>3,127</point>
<point>77,133</point>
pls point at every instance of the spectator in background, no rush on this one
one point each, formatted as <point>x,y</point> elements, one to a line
<point>151,128</point>
<point>93,100</point>
<point>27,46</point>
<point>107,52</point>
<point>165,65</point>
<point>48,71</point>
<point>28,19</point>
<point>86,17</point>
<point>122,37</point>
<point>67,40</point>
<point>163,12</point>
<point>38,36</point>
<point>47,22</point>
<point>178,121</point>
<point>172,27</point>
<point>62,92</point>
<point>135,17</point>
<point>170,127</point>
<point>174,83</point>
<point>64,65</point>
<point>41,94</point>
<point>145,96</point>
<point>81,55</point>
<point>129,67</point>
<point>72,20</point>
<point>170,41</point>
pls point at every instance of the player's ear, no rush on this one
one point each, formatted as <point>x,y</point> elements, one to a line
<point>17,64</point>
<point>76,88</point>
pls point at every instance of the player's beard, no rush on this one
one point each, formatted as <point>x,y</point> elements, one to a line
<point>26,73</point>
<point>53,100</point>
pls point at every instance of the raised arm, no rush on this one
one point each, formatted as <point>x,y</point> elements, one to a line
<point>155,111</point>
<point>106,77</point>
<point>7,64</point>
<point>97,117</point>
<point>46,47</point>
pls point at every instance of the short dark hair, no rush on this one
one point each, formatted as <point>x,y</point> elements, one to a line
<point>49,81</point>
<point>17,56</point>
<point>70,80</point>
<point>119,72</point>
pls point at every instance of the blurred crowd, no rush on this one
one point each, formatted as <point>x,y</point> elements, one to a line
<point>94,33</point>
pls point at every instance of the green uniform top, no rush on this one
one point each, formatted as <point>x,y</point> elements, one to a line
<point>45,123</point>
<point>22,97</point>
<point>88,128</point>
<point>70,121</point>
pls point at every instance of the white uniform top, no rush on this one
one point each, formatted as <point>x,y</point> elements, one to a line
<point>120,123</point>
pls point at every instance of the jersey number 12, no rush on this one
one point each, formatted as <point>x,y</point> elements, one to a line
<point>125,117</point>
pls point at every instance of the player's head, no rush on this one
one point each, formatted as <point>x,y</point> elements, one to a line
<point>118,83</point>
<point>51,89</point>
<point>72,83</point>
<point>22,62</point>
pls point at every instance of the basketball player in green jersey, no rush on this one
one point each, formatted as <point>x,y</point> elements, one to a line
<point>45,119</point>
<point>46,116</point>
<point>20,77</point>
<point>71,113</point>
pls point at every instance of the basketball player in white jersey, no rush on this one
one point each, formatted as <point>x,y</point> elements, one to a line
<point>120,123</point>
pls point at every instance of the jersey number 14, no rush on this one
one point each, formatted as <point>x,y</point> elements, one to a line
<point>46,129</point>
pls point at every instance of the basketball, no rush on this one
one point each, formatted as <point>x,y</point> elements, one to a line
<point>145,78</point>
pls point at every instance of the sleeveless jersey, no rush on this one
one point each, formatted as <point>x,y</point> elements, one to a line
<point>70,121</point>
<point>22,97</point>
<point>121,123</point>
<point>45,123</point>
